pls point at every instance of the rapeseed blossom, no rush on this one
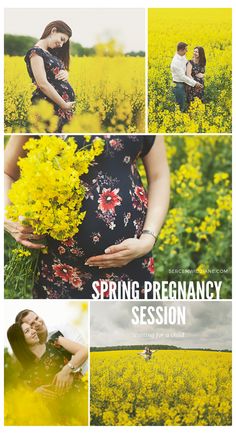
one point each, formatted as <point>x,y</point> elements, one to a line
<point>110,97</point>
<point>47,196</point>
<point>176,387</point>
<point>197,229</point>
<point>49,192</point>
<point>210,28</point>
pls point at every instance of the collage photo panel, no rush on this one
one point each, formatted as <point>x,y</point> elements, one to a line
<point>117,217</point>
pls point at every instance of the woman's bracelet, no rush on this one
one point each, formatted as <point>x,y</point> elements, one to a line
<point>73,369</point>
<point>147,231</point>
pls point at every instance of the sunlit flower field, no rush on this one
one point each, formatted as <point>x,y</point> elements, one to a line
<point>196,235</point>
<point>176,387</point>
<point>110,97</point>
<point>210,28</point>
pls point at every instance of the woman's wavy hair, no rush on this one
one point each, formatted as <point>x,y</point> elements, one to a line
<point>202,57</point>
<point>19,346</point>
<point>62,52</point>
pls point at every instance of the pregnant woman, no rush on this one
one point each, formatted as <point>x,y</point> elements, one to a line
<point>48,64</point>
<point>115,240</point>
<point>196,70</point>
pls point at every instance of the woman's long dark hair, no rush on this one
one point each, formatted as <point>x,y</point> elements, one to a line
<point>202,57</point>
<point>19,346</point>
<point>62,52</point>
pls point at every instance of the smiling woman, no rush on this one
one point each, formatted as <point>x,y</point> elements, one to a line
<point>51,372</point>
<point>47,64</point>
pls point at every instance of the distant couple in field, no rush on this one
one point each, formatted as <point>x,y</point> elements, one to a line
<point>188,76</point>
<point>147,353</point>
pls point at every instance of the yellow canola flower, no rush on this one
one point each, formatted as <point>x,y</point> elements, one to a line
<point>210,28</point>
<point>168,232</point>
<point>225,203</point>
<point>21,252</point>
<point>49,192</point>
<point>220,176</point>
<point>176,387</point>
<point>110,97</point>
<point>24,406</point>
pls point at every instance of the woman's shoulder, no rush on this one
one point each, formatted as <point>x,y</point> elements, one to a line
<point>147,143</point>
<point>34,51</point>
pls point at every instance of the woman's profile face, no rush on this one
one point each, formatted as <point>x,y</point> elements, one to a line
<point>196,52</point>
<point>57,39</point>
<point>31,337</point>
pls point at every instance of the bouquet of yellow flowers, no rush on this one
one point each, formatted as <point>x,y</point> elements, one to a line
<point>48,194</point>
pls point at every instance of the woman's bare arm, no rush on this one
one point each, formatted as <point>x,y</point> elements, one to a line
<point>13,151</point>
<point>80,352</point>
<point>64,378</point>
<point>158,177</point>
<point>157,170</point>
<point>189,70</point>
<point>39,73</point>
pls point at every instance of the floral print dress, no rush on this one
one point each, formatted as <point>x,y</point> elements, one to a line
<point>52,65</point>
<point>192,92</point>
<point>52,361</point>
<point>64,406</point>
<point>116,205</point>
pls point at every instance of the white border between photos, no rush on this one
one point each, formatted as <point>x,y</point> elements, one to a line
<point>113,4</point>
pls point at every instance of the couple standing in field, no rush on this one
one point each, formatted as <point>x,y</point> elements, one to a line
<point>188,76</point>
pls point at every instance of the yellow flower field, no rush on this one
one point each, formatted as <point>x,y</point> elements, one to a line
<point>26,407</point>
<point>110,95</point>
<point>196,235</point>
<point>176,387</point>
<point>209,28</point>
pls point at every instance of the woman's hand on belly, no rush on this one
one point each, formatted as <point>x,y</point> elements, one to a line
<point>121,254</point>
<point>62,75</point>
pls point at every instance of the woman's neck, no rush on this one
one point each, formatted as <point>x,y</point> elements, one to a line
<point>42,43</point>
<point>196,60</point>
<point>38,350</point>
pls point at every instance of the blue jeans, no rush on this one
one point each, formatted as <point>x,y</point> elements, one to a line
<point>180,95</point>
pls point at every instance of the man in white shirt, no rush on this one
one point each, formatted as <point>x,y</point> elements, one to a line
<point>178,69</point>
<point>64,376</point>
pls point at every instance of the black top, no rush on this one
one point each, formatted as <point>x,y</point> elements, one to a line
<point>52,65</point>
<point>116,206</point>
<point>42,371</point>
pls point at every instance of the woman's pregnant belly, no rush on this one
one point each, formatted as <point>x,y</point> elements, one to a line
<point>64,89</point>
<point>101,228</point>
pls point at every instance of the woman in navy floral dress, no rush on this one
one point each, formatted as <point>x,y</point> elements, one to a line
<point>196,69</point>
<point>115,240</point>
<point>47,64</point>
<point>116,206</point>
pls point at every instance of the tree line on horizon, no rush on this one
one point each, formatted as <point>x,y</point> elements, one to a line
<point>17,45</point>
<point>153,347</point>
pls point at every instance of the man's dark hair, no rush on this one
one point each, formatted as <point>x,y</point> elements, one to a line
<point>21,315</point>
<point>181,46</point>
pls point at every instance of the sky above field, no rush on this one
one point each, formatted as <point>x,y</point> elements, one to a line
<point>53,312</point>
<point>88,25</point>
<point>208,325</point>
